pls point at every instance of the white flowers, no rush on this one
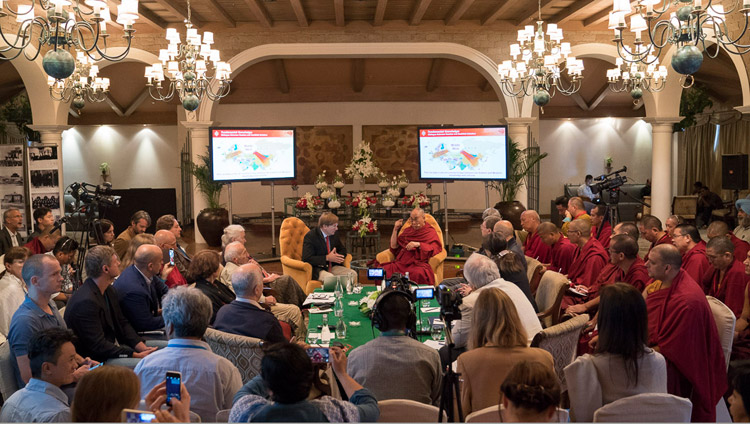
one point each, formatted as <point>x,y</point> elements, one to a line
<point>362,165</point>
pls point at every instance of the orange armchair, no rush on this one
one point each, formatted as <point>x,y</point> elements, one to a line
<point>291,237</point>
<point>436,262</point>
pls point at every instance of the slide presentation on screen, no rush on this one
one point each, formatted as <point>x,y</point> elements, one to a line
<point>463,153</point>
<point>252,154</point>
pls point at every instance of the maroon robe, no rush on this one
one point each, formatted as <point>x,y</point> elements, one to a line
<point>681,324</point>
<point>695,262</point>
<point>416,261</point>
<point>604,235</point>
<point>562,253</point>
<point>36,246</point>
<point>731,289</point>
<point>535,248</point>
<point>637,275</point>
<point>665,239</point>
<point>741,345</point>
<point>608,275</point>
<point>741,247</point>
<point>588,263</point>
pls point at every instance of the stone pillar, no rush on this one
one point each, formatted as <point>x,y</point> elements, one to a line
<point>52,135</point>
<point>518,131</point>
<point>198,131</point>
<point>661,166</point>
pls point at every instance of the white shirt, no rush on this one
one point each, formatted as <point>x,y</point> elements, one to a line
<point>12,295</point>
<point>585,190</point>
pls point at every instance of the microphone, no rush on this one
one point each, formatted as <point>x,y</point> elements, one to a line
<point>58,224</point>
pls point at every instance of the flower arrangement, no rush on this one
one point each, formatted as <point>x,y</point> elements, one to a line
<point>308,201</point>
<point>104,167</point>
<point>295,186</point>
<point>383,181</point>
<point>365,225</point>
<point>362,165</point>
<point>393,191</point>
<point>416,199</point>
<point>403,182</point>
<point>327,193</point>
<point>320,181</point>
<point>367,302</point>
<point>362,201</point>
<point>388,201</point>
<point>334,203</point>
<point>338,180</point>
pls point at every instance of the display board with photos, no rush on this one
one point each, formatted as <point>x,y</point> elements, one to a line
<point>44,179</point>
<point>12,180</point>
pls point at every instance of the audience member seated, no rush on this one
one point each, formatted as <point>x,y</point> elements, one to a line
<point>43,242</point>
<point>9,235</point>
<point>140,289</point>
<point>204,270</point>
<point>497,342</point>
<point>584,190</point>
<point>505,229</point>
<point>562,251</point>
<point>530,394</point>
<point>244,315</point>
<point>104,232</point>
<point>287,376</point>
<point>623,364</point>
<point>688,241</point>
<point>139,222</point>
<point>52,359</point>
<point>721,229</point>
<point>708,201</point>
<point>740,395</point>
<point>414,365</point>
<point>671,223</point>
<point>743,220</point>
<point>323,249</point>
<point>508,263</point>
<point>741,344</point>
<point>181,257</point>
<point>65,252</point>
<point>726,278</point>
<point>590,257</point>
<point>105,392</point>
<point>576,210</point>
<point>601,229</point>
<point>12,288</point>
<point>561,205</point>
<point>211,379</point>
<point>682,329</point>
<point>650,229</point>
<point>43,220</point>
<point>534,247</point>
<point>137,241</point>
<point>165,240</point>
<point>94,314</point>
<point>489,212</point>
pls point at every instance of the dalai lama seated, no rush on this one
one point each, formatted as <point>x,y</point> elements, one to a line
<point>413,249</point>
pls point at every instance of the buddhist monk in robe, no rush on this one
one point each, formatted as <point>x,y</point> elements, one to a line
<point>688,241</point>
<point>681,327</point>
<point>562,251</point>
<point>590,256</point>
<point>721,229</point>
<point>534,247</point>
<point>741,345</point>
<point>576,210</point>
<point>651,229</point>
<point>413,249</point>
<point>726,279</point>
<point>601,229</point>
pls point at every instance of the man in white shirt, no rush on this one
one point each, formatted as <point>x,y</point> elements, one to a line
<point>584,190</point>
<point>9,236</point>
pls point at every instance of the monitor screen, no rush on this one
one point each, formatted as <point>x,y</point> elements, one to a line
<point>463,153</point>
<point>251,154</point>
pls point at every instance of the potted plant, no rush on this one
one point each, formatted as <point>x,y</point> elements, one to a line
<point>212,220</point>
<point>520,164</point>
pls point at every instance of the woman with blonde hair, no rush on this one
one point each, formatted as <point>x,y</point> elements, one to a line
<point>137,241</point>
<point>497,342</point>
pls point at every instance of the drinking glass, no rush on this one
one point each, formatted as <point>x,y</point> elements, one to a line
<point>424,325</point>
<point>436,332</point>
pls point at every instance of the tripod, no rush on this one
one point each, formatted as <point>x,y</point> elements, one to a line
<point>90,225</point>
<point>449,385</point>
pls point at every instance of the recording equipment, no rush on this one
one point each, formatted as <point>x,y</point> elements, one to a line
<point>734,172</point>
<point>58,224</point>
<point>375,273</point>
<point>94,194</point>
<point>426,293</point>
<point>606,183</point>
<point>449,301</point>
<point>380,321</point>
<point>174,379</point>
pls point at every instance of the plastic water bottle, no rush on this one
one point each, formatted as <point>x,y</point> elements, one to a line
<point>325,332</point>
<point>341,329</point>
<point>338,307</point>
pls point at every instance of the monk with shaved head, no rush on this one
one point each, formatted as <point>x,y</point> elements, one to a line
<point>721,229</point>
<point>590,257</point>
<point>562,251</point>
<point>576,210</point>
<point>726,278</point>
<point>651,229</point>
<point>534,247</point>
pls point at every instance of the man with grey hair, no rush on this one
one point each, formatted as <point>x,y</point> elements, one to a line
<point>236,255</point>
<point>244,315</point>
<point>490,212</point>
<point>139,222</point>
<point>141,288</point>
<point>210,379</point>
<point>9,236</point>
<point>169,222</point>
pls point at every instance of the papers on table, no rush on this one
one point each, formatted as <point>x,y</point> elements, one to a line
<point>319,299</point>
<point>324,310</point>
<point>435,344</point>
<point>430,309</point>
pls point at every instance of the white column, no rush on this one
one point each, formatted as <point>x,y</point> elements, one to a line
<point>52,135</point>
<point>518,131</point>
<point>198,144</point>
<point>661,166</point>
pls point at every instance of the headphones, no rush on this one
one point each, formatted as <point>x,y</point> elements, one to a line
<point>380,321</point>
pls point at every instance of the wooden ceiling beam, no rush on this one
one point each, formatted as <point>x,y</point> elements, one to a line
<point>379,12</point>
<point>114,105</point>
<point>281,77</point>
<point>299,12</point>
<point>597,17</point>
<point>137,102</point>
<point>419,11</point>
<point>223,14</point>
<point>260,12</point>
<point>502,6</point>
<point>568,13</point>
<point>600,95</point>
<point>338,8</point>
<point>531,13</point>
<point>579,101</point>
<point>436,72</point>
<point>147,17</point>
<point>457,11</point>
<point>177,9</point>
<point>358,75</point>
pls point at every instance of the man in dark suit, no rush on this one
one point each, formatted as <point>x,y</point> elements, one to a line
<point>94,314</point>
<point>9,237</point>
<point>170,223</point>
<point>244,315</point>
<point>323,249</point>
<point>141,289</point>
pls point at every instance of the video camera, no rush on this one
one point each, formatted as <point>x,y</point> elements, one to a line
<point>94,194</point>
<point>401,283</point>
<point>607,183</point>
<point>449,300</point>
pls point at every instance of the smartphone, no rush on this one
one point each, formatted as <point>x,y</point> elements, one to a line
<point>425,293</point>
<point>318,355</point>
<point>375,273</point>
<point>174,379</point>
<point>136,416</point>
<point>171,257</point>
<point>96,366</point>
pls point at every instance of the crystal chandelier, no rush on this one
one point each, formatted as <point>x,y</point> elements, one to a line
<point>636,77</point>
<point>538,71</point>
<point>688,28</point>
<point>84,85</point>
<point>188,66</point>
<point>65,25</point>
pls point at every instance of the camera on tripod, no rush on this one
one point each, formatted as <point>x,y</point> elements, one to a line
<point>449,300</point>
<point>610,181</point>
<point>94,194</point>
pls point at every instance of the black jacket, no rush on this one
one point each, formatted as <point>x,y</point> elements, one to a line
<point>248,320</point>
<point>6,243</point>
<point>314,250</point>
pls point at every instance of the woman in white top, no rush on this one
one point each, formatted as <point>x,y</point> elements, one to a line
<point>623,365</point>
<point>12,288</point>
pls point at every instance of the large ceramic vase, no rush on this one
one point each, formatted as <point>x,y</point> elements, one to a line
<point>211,224</point>
<point>512,212</point>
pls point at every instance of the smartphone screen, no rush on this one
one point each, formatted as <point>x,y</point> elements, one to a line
<point>318,355</point>
<point>171,257</point>
<point>134,416</point>
<point>174,379</point>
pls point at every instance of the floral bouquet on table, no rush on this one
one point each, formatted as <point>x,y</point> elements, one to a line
<point>383,181</point>
<point>402,181</point>
<point>338,180</point>
<point>362,165</point>
<point>416,199</point>
<point>393,191</point>
<point>327,193</point>
<point>308,201</point>
<point>367,302</point>
<point>333,202</point>
<point>320,181</point>
<point>388,201</point>
<point>362,201</point>
<point>365,225</point>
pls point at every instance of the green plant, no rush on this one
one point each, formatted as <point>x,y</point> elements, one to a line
<point>210,189</point>
<point>18,111</point>
<point>520,164</point>
<point>692,102</point>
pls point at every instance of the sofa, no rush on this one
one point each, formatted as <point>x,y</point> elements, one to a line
<point>629,205</point>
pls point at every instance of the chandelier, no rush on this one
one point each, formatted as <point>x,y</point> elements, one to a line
<point>83,85</point>
<point>538,70</point>
<point>188,67</point>
<point>635,77</point>
<point>65,25</point>
<point>688,28</point>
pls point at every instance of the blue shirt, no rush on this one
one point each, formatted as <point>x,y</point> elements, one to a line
<point>39,402</point>
<point>28,320</point>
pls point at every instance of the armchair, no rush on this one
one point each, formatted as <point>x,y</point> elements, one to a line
<point>436,262</point>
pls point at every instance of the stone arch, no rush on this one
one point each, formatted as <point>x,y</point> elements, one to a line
<point>477,60</point>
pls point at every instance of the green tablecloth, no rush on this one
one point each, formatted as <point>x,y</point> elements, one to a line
<point>357,336</point>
